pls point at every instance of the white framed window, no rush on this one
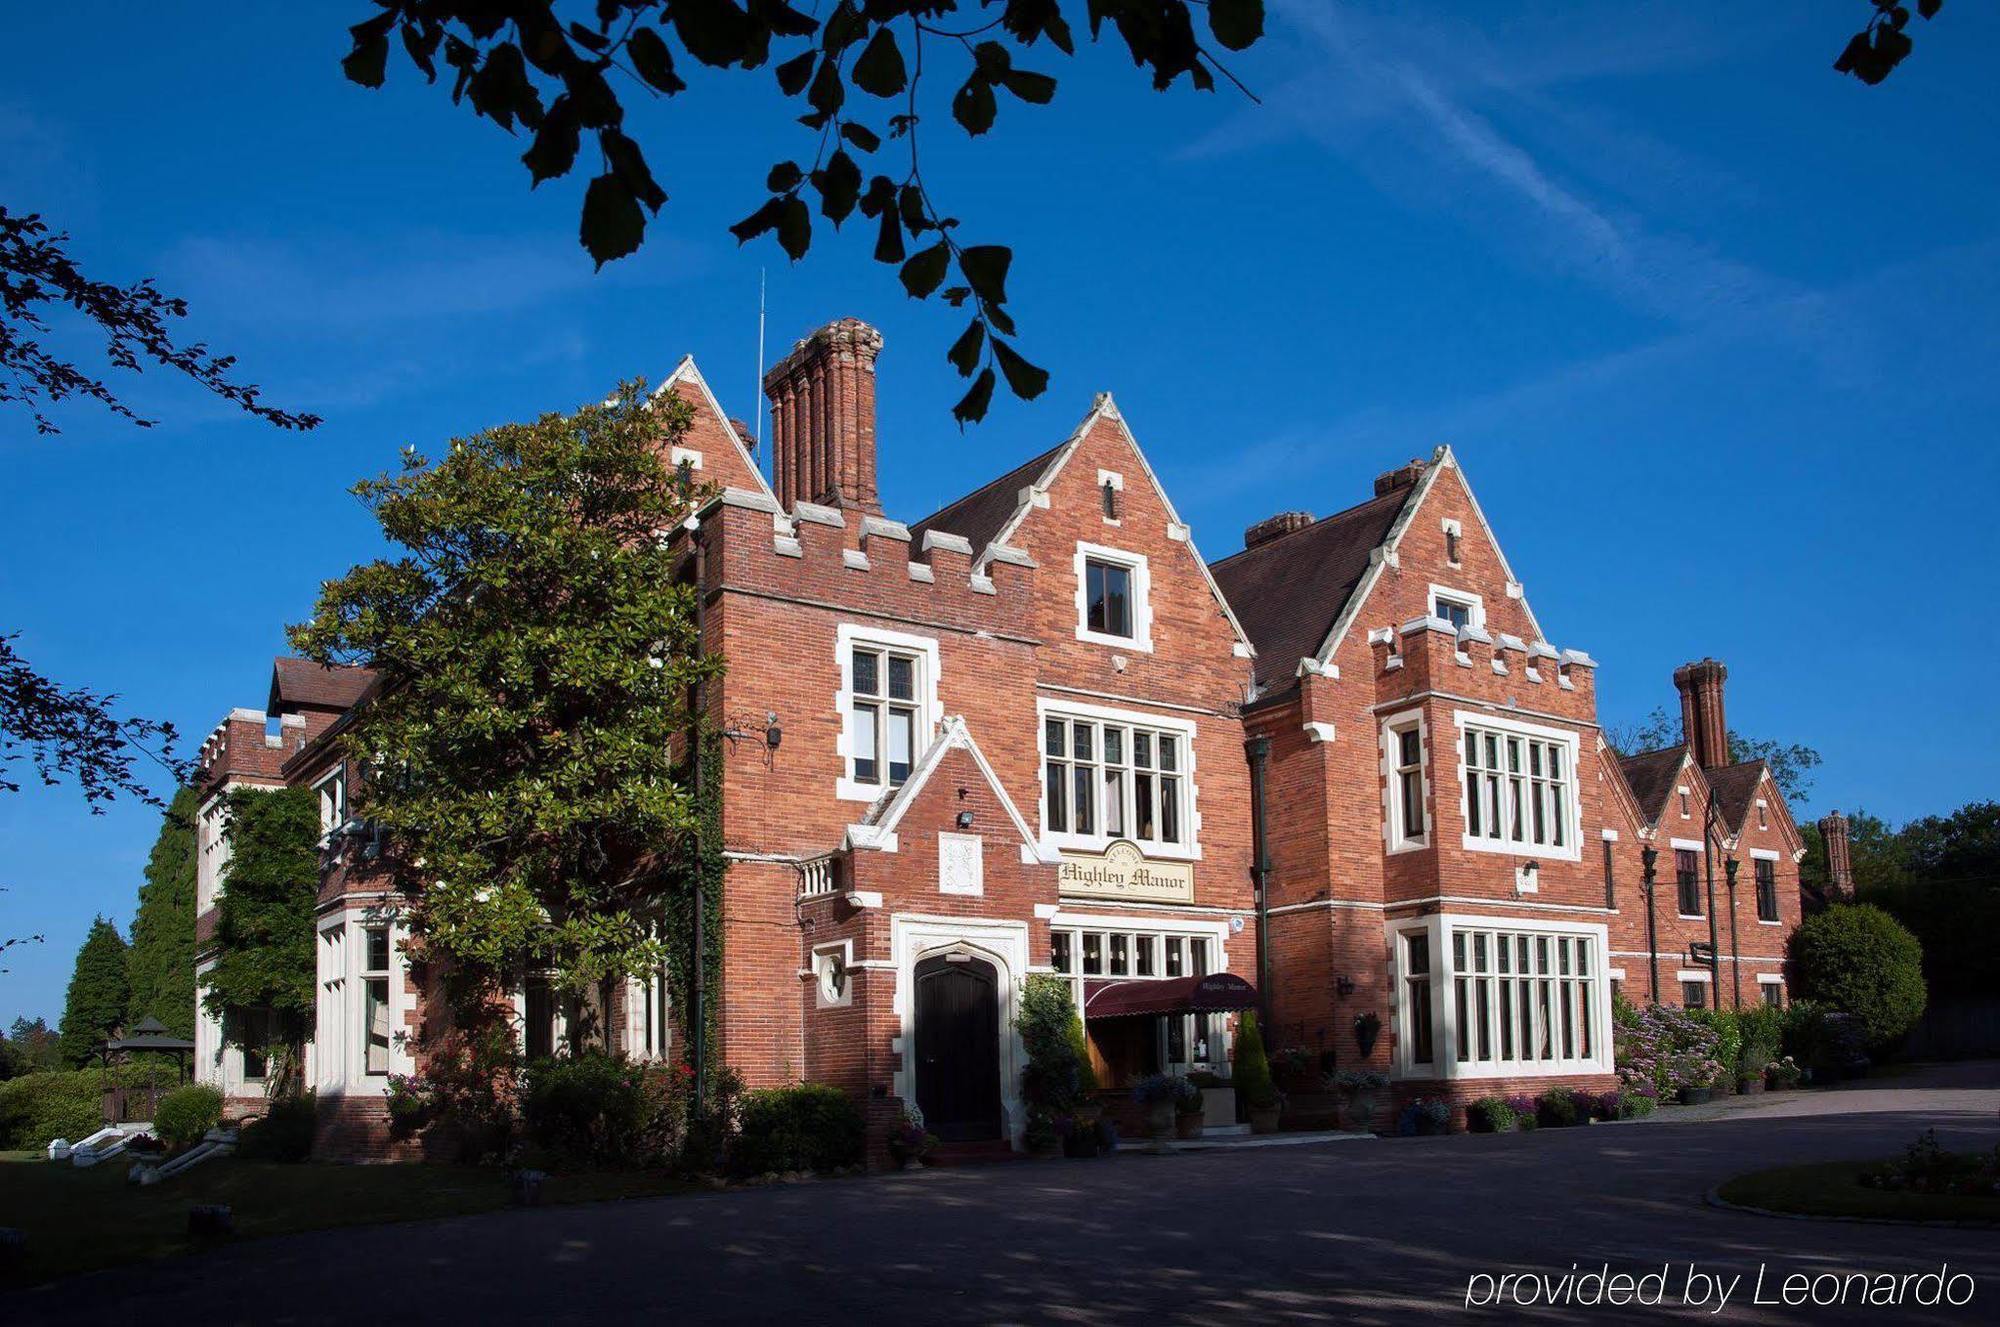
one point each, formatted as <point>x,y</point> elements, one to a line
<point>1764,870</point>
<point>362,1002</point>
<point>1518,790</point>
<point>1500,997</point>
<point>1112,774</point>
<point>1113,597</point>
<point>1406,822</point>
<point>1461,608</point>
<point>332,792</point>
<point>375,1023</point>
<point>1771,989</point>
<point>888,703</point>
<point>832,973</point>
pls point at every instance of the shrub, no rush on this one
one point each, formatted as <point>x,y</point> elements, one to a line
<point>63,1103</point>
<point>1490,1115</point>
<point>1824,1040</point>
<point>1558,1108</point>
<point>1928,1168</point>
<point>1604,1106</point>
<point>1636,1104</point>
<point>1861,961</point>
<point>1158,1089</point>
<point>285,1133</point>
<point>806,1127</point>
<point>1253,1071</point>
<point>187,1113</point>
<point>1782,1073</point>
<point>1524,1112</point>
<point>585,1109</point>
<point>1727,1051</point>
<point>1425,1115</point>
<point>1057,1077</point>
<point>1666,1049</point>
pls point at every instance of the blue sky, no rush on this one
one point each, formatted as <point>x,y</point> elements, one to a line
<point>1710,327</point>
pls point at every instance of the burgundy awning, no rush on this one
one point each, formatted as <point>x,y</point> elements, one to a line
<point>1217,993</point>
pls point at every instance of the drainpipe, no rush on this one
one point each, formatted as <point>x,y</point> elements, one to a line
<point>1709,832</point>
<point>1650,857</point>
<point>1258,749</point>
<point>698,974</point>
<point>1729,867</point>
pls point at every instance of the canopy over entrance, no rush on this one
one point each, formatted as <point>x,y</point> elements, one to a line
<point>1216,993</point>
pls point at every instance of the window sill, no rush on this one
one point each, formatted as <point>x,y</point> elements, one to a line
<point>1774,921</point>
<point>1136,644</point>
<point>847,790</point>
<point>1690,917</point>
<point>1462,1072</point>
<point>1506,848</point>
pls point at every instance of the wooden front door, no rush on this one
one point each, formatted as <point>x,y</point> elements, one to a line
<point>958,1048</point>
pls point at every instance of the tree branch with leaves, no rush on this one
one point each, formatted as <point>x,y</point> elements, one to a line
<point>528,65</point>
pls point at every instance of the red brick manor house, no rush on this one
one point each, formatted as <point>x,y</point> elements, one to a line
<point>1035,732</point>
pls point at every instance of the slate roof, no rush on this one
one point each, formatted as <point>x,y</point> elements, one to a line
<point>1734,788</point>
<point>296,682</point>
<point>1650,775</point>
<point>980,515</point>
<point>1289,591</point>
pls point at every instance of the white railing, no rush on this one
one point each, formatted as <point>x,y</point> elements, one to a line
<point>817,877</point>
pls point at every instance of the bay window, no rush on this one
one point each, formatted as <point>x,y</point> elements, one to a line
<point>1105,779</point>
<point>1520,788</point>
<point>1495,997</point>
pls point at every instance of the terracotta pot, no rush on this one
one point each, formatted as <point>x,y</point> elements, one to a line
<point>1264,1119</point>
<point>1187,1125</point>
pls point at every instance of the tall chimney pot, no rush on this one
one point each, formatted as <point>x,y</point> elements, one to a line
<point>1703,726</point>
<point>823,418</point>
<point>1839,866</point>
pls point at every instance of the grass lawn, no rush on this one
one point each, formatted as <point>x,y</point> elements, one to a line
<point>1834,1188</point>
<point>77,1220</point>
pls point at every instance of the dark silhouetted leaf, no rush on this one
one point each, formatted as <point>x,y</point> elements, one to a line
<point>839,185</point>
<point>880,198</point>
<point>863,138</point>
<point>973,106</point>
<point>964,352</point>
<point>629,164</point>
<point>971,407</point>
<point>910,202</point>
<point>596,104</point>
<point>784,177</point>
<point>827,91</point>
<point>782,19</point>
<point>880,72</point>
<point>554,150</point>
<point>795,73</point>
<point>1029,86</point>
<point>421,44</point>
<point>925,269</point>
<point>763,219</point>
<point>613,224</point>
<point>653,61</point>
<point>715,32</point>
<point>1236,23</point>
<point>1929,8</point>
<point>367,64</point>
<point>795,227</point>
<point>1027,380</point>
<point>843,28</point>
<point>992,61</point>
<point>956,295</point>
<point>985,268</point>
<point>889,238</point>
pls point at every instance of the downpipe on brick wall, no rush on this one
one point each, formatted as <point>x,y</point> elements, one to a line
<point>1258,749</point>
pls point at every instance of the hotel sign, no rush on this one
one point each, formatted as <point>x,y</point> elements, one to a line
<point>1121,871</point>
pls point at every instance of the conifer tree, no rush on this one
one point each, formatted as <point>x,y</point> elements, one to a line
<point>161,965</point>
<point>97,993</point>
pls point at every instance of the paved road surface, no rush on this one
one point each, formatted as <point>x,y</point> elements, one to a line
<point>1356,1232</point>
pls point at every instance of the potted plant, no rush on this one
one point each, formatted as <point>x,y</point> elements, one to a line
<point>1424,1117</point>
<point>1367,1027</point>
<point>1253,1078</point>
<point>1188,1111</point>
<point>1782,1075</point>
<point>1360,1092</point>
<point>1160,1094</point>
<point>909,1142</point>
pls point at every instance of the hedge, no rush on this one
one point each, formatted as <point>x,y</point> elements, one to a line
<point>67,1103</point>
<point>808,1127</point>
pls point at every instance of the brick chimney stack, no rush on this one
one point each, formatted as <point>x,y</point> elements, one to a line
<point>1403,476</point>
<point>1276,527</point>
<point>1839,868</point>
<point>1703,727</point>
<point>823,418</point>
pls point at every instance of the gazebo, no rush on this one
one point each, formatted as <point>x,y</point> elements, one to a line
<point>149,1035</point>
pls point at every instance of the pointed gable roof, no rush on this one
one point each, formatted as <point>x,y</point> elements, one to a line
<point>877,829</point>
<point>302,683</point>
<point>1289,591</point>
<point>1734,788</point>
<point>712,427</point>
<point>1652,776</point>
<point>980,515</point>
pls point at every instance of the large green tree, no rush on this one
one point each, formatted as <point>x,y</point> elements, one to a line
<point>536,648</point>
<point>1792,764</point>
<point>264,926</point>
<point>97,993</point>
<point>161,965</point>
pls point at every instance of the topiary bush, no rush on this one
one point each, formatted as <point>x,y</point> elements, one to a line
<point>807,1127</point>
<point>186,1114</point>
<point>1053,1082</point>
<point>1861,961</point>
<point>1252,1074</point>
<point>285,1133</point>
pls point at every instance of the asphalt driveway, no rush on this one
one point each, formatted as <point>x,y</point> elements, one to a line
<point>1356,1232</point>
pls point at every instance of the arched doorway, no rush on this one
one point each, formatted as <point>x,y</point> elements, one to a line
<point>958,1047</point>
